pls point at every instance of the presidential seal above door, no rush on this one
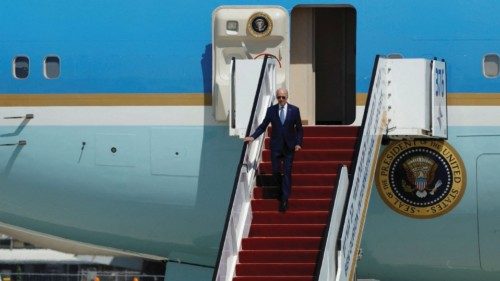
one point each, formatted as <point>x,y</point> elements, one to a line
<point>260,25</point>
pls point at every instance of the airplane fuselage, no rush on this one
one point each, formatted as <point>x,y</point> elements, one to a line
<point>124,153</point>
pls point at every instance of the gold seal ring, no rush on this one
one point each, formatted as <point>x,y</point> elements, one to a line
<point>421,178</point>
<point>259,25</point>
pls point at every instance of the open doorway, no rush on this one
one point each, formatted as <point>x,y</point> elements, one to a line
<point>323,63</point>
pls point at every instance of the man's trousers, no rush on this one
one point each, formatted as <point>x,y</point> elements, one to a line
<point>279,158</point>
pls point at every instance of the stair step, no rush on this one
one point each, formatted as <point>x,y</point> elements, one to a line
<point>281,243</point>
<point>290,217</point>
<point>307,167</point>
<point>300,180</point>
<point>321,131</point>
<point>298,192</point>
<point>323,142</point>
<point>278,256</point>
<point>287,230</point>
<point>275,269</point>
<point>293,204</point>
<point>316,155</point>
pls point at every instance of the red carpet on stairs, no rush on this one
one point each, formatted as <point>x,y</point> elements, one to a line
<point>285,246</point>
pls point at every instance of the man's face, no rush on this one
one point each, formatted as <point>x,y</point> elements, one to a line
<point>282,97</point>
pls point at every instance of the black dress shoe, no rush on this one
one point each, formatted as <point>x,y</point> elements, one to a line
<point>283,206</point>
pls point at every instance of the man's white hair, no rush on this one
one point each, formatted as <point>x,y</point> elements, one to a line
<point>282,90</point>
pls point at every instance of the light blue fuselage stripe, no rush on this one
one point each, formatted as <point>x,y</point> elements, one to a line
<point>449,241</point>
<point>163,191</point>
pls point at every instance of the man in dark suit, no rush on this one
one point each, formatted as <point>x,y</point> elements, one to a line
<point>286,138</point>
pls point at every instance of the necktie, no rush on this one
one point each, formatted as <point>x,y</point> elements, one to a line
<point>282,115</point>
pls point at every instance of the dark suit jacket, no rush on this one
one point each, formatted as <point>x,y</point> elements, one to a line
<point>290,133</point>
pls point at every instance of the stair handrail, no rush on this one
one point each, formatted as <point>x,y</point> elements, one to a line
<point>373,127</point>
<point>326,267</point>
<point>369,139</point>
<point>238,217</point>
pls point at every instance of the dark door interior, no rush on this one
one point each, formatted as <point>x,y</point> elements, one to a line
<point>335,61</point>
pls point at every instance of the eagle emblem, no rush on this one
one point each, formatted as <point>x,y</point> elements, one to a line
<point>420,171</point>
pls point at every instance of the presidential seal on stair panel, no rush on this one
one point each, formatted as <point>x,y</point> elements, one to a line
<point>421,178</point>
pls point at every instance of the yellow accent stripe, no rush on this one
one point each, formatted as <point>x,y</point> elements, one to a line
<point>473,99</point>
<point>105,99</point>
<point>361,99</point>
<point>457,99</point>
<point>187,99</point>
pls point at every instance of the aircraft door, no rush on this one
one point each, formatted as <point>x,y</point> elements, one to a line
<point>488,193</point>
<point>322,63</point>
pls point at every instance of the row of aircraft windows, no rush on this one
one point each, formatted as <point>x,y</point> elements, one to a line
<point>51,67</point>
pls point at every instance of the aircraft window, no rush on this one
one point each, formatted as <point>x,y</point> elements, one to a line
<point>21,67</point>
<point>491,65</point>
<point>395,56</point>
<point>52,67</point>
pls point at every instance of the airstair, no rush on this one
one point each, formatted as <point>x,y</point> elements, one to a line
<point>286,246</point>
<point>318,238</point>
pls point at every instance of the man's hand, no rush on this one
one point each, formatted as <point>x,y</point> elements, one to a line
<point>248,139</point>
<point>298,147</point>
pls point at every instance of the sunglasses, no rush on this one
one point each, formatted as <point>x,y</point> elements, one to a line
<point>281,97</point>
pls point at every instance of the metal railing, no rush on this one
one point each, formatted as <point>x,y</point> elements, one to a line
<point>327,267</point>
<point>372,129</point>
<point>344,253</point>
<point>239,214</point>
